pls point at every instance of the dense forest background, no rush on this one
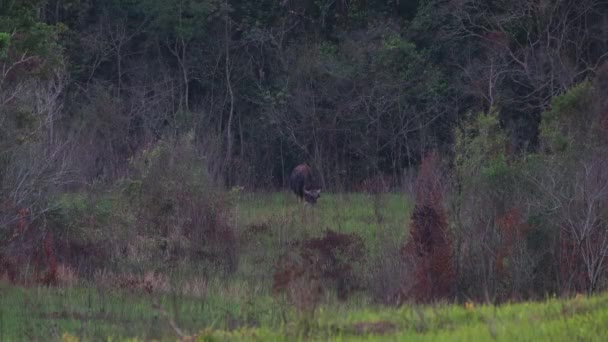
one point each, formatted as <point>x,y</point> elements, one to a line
<point>355,88</point>
<point>510,93</point>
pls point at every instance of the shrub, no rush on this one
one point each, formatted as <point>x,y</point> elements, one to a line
<point>429,247</point>
<point>317,265</point>
<point>488,187</point>
<point>179,208</point>
<point>513,267</point>
<point>387,272</point>
<point>574,184</point>
<point>568,122</point>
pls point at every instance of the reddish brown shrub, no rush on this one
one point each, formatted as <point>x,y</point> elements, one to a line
<point>50,278</point>
<point>83,256</point>
<point>19,249</point>
<point>32,250</point>
<point>22,221</point>
<point>336,255</point>
<point>575,277</point>
<point>28,254</point>
<point>429,191</point>
<point>8,270</point>
<point>512,229</point>
<point>429,248</point>
<point>207,227</point>
<point>300,280</point>
<point>319,264</point>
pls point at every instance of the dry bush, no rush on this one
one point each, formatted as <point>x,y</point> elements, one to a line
<point>66,276</point>
<point>514,266</point>
<point>8,270</point>
<point>89,231</point>
<point>489,251</point>
<point>195,287</point>
<point>149,282</point>
<point>574,197</point>
<point>376,184</point>
<point>583,252</point>
<point>387,272</point>
<point>29,255</point>
<point>179,209</point>
<point>50,277</point>
<point>573,184</point>
<point>429,248</point>
<point>317,265</point>
<point>34,165</point>
<point>168,212</point>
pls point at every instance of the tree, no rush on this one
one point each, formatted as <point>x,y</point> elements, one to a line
<point>34,157</point>
<point>573,185</point>
<point>526,52</point>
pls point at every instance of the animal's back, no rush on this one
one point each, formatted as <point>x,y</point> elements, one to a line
<point>301,177</point>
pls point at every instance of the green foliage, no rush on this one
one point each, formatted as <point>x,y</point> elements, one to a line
<point>480,149</point>
<point>179,208</point>
<point>488,217</point>
<point>497,171</point>
<point>19,127</point>
<point>257,13</point>
<point>569,123</point>
<point>29,35</point>
<point>5,40</point>
<point>400,56</point>
<point>183,19</point>
<point>70,209</point>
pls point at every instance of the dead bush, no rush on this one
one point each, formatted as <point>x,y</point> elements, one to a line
<point>149,282</point>
<point>66,276</point>
<point>514,266</point>
<point>429,248</point>
<point>29,256</point>
<point>317,265</point>
<point>376,184</point>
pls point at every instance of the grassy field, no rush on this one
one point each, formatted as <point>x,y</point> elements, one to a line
<point>242,306</point>
<point>91,314</point>
<point>366,216</point>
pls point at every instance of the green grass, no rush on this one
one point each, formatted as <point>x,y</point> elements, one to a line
<point>349,213</point>
<point>91,314</point>
<point>241,306</point>
<point>378,220</point>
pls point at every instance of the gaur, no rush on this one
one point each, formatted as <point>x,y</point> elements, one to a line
<point>302,183</point>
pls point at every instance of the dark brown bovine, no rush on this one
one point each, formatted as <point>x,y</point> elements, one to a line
<point>302,183</point>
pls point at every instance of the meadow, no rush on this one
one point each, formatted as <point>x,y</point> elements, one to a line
<point>93,314</point>
<point>182,303</point>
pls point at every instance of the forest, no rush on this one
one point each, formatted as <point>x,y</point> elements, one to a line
<point>461,149</point>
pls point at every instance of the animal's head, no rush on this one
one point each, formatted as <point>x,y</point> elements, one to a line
<point>311,196</point>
